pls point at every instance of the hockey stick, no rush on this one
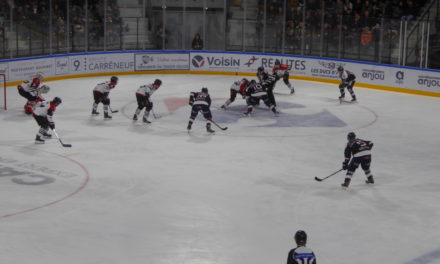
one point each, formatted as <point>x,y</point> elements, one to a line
<point>321,179</point>
<point>217,125</point>
<point>113,111</point>
<point>63,144</point>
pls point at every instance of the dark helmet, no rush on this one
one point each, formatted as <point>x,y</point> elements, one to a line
<point>277,62</point>
<point>300,238</point>
<point>56,100</point>
<point>251,83</point>
<point>261,69</point>
<point>157,82</point>
<point>204,90</point>
<point>114,79</point>
<point>351,136</point>
<point>340,68</point>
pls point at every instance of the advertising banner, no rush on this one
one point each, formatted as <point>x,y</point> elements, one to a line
<point>161,61</point>
<point>218,62</point>
<point>231,62</point>
<point>25,69</point>
<point>95,63</point>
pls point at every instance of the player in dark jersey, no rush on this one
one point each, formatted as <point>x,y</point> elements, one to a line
<point>348,79</point>
<point>301,254</point>
<point>269,84</point>
<point>200,102</point>
<point>359,151</point>
<point>262,74</point>
<point>254,93</point>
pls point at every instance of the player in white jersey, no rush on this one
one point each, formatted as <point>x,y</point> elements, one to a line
<point>236,87</point>
<point>100,95</point>
<point>348,79</point>
<point>143,95</point>
<point>43,113</point>
<point>32,90</point>
<point>301,254</point>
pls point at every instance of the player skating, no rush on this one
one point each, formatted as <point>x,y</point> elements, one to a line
<point>269,84</point>
<point>254,93</point>
<point>348,79</point>
<point>282,71</point>
<point>32,90</point>
<point>360,153</point>
<point>238,87</point>
<point>143,95</point>
<point>301,254</point>
<point>101,95</point>
<point>262,74</point>
<point>200,102</point>
<point>43,113</point>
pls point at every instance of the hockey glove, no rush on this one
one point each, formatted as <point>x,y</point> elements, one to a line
<point>370,145</point>
<point>345,165</point>
<point>52,125</point>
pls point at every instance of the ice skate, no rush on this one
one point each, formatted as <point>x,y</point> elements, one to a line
<point>39,140</point>
<point>370,180</point>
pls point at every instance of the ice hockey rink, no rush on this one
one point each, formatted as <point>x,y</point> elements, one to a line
<point>128,192</point>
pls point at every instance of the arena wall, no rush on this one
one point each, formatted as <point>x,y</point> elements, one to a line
<point>368,75</point>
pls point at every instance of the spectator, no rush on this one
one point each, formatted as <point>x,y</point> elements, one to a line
<point>197,42</point>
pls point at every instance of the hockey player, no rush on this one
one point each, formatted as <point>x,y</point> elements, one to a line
<point>347,81</point>
<point>282,70</point>
<point>143,94</point>
<point>269,84</point>
<point>236,87</point>
<point>100,95</point>
<point>262,74</point>
<point>254,93</point>
<point>200,101</point>
<point>32,90</point>
<point>301,254</point>
<point>43,113</point>
<point>360,153</point>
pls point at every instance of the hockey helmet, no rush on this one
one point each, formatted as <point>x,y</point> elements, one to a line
<point>39,76</point>
<point>56,101</point>
<point>261,69</point>
<point>251,83</point>
<point>351,136</point>
<point>277,62</point>
<point>301,238</point>
<point>340,68</point>
<point>157,82</point>
<point>114,79</point>
<point>205,90</point>
<point>244,81</point>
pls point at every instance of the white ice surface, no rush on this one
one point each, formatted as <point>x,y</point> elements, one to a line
<point>134,193</point>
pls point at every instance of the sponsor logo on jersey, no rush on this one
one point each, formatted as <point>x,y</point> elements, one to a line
<point>198,61</point>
